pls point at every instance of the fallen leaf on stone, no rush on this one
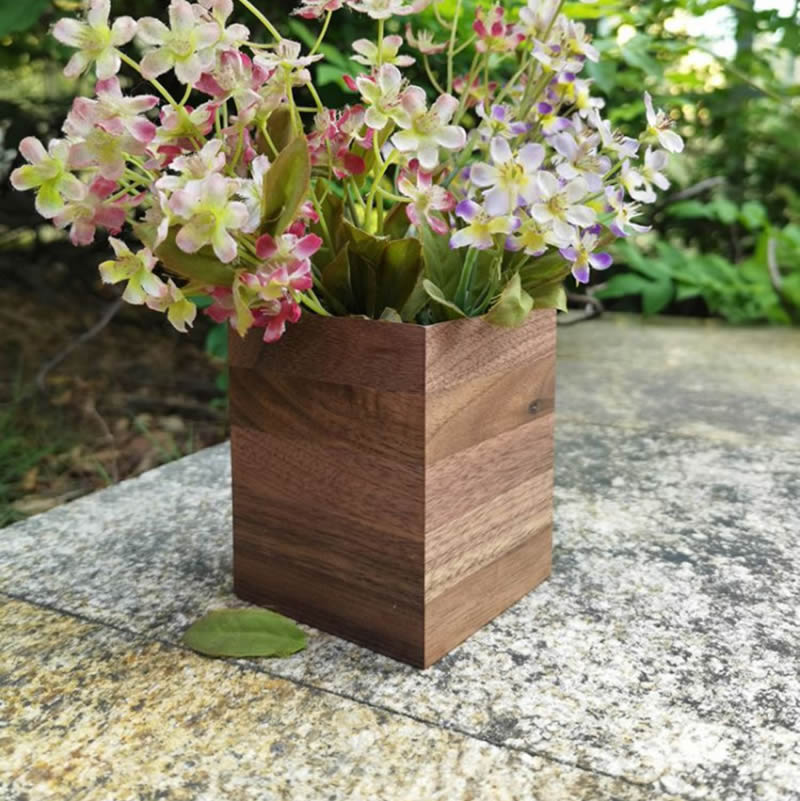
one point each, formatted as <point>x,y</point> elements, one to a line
<point>244,632</point>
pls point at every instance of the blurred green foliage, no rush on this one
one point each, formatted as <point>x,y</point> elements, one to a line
<point>725,237</point>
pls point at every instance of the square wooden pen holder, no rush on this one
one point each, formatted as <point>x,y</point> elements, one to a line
<point>393,483</point>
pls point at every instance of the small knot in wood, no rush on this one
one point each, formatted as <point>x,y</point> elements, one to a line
<point>533,406</point>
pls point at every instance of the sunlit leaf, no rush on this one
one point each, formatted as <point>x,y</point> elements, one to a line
<point>436,294</point>
<point>202,267</point>
<point>244,633</point>
<point>512,307</point>
<point>286,187</point>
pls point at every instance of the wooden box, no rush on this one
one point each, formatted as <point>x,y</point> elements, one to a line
<point>392,484</point>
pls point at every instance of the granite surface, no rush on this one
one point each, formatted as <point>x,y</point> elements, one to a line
<point>662,660</point>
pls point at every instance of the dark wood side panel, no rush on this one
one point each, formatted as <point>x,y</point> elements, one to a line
<point>340,350</point>
<point>462,350</point>
<point>452,616</point>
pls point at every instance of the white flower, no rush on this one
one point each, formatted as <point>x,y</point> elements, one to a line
<point>48,172</point>
<point>187,46</point>
<point>194,167</point>
<point>481,227</point>
<point>252,192</point>
<point>613,141</point>
<point>579,159</point>
<point>659,127</point>
<point>180,311</point>
<point>209,215</point>
<point>428,130</point>
<point>287,59</point>
<point>633,182</point>
<point>232,36</point>
<point>581,253</point>
<point>535,238</point>
<point>558,205</point>
<point>136,269</point>
<point>383,96</point>
<point>96,42</point>
<point>423,41</point>
<point>382,9</point>
<point>512,178</point>
<point>371,56</point>
<point>623,213</point>
<point>653,170</point>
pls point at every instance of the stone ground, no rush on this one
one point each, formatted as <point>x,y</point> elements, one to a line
<point>661,661</point>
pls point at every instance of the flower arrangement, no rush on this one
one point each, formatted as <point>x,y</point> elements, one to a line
<point>403,206</point>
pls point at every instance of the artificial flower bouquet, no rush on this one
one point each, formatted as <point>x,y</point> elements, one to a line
<point>477,195</point>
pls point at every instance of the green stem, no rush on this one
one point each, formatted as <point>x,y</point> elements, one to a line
<point>380,41</point>
<point>267,138</point>
<point>322,33</point>
<point>310,300</point>
<point>262,19</point>
<point>452,46</point>
<point>462,102</point>
<point>315,95</point>
<point>431,76</point>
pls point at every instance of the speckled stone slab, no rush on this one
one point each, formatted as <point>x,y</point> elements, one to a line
<point>661,659</point>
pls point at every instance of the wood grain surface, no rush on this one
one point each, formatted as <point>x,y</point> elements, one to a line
<point>392,484</point>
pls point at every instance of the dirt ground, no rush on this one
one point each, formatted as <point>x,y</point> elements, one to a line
<point>135,395</point>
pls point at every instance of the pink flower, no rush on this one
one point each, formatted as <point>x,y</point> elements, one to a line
<point>314,9</point>
<point>93,211</point>
<point>498,36</point>
<point>426,198</point>
<point>333,135</point>
<point>287,263</point>
<point>96,42</point>
<point>94,145</point>
<point>235,77</point>
<point>117,114</point>
<point>273,318</point>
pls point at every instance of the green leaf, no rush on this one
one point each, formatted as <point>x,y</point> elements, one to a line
<point>725,210</point>
<point>753,215</point>
<point>636,53</point>
<point>436,294</point>
<point>279,128</point>
<point>244,632</point>
<point>550,296</point>
<point>202,267</point>
<point>623,285</point>
<point>691,209</point>
<point>604,74</point>
<point>399,271</point>
<point>336,279</point>
<point>17,17</point>
<point>513,306</point>
<point>442,263</point>
<point>657,296</point>
<point>286,187</point>
<point>217,341</point>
